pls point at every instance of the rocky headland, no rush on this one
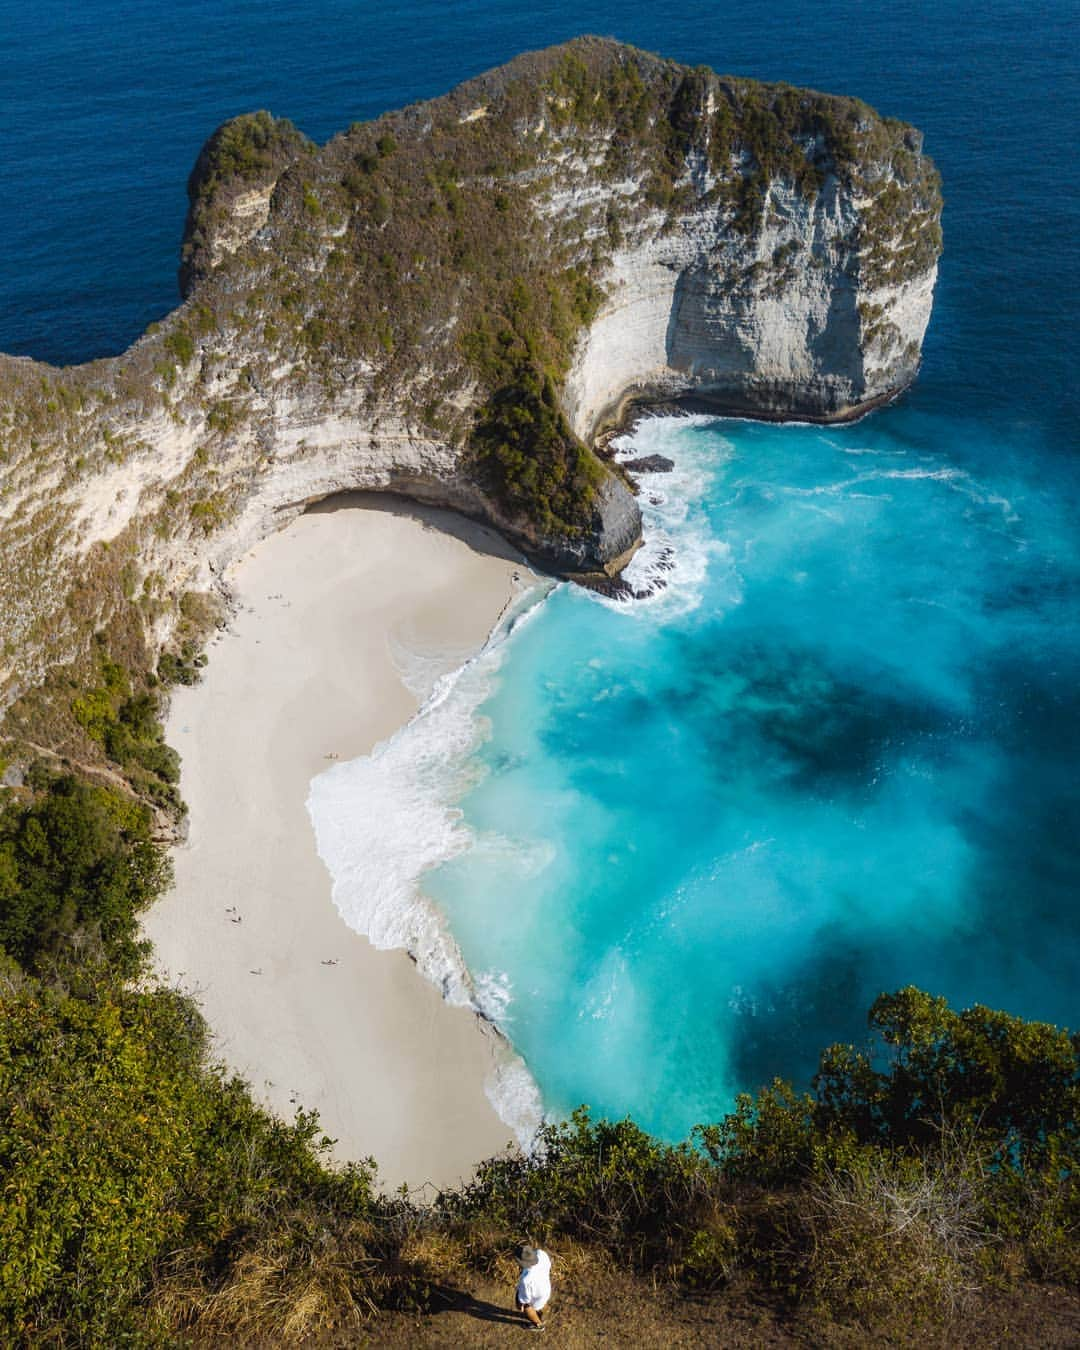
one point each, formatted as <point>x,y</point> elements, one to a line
<point>453,302</point>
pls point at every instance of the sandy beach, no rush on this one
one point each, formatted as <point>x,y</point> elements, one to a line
<point>327,615</point>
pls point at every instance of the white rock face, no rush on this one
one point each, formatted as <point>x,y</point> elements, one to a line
<point>136,480</point>
<point>248,213</point>
<point>770,324</point>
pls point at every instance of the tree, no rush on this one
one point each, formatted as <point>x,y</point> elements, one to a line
<point>78,857</point>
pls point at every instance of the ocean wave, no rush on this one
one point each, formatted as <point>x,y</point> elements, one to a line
<point>666,577</point>
<point>512,1091</point>
<point>860,450</point>
<point>941,474</point>
<point>383,820</point>
<point>949,476</point>
<point>418,671</point>
<point>957,480</point>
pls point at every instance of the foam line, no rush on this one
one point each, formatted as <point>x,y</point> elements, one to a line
<point>385,819</point>
<point>667,574</point>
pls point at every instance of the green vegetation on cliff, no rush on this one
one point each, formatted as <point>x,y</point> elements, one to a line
<point>530,460</point>
<point>249,151</point>
<point>135,1176</point>
<point>77,862</point>
<point>247,148</point>
<point>436,247</point>
<point>422,280</point>
<point>525,452</point>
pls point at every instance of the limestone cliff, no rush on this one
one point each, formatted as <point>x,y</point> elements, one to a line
<point>450,302</point>
<point>792,321</point>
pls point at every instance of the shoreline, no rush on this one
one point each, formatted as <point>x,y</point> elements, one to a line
<point>624,414</point>
<point>326,615</point>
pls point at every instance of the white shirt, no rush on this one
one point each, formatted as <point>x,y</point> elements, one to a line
<point>534,1287</point>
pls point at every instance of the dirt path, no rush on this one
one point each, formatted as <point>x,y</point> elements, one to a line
<point>633,1313</point>
<point>483,1316</point>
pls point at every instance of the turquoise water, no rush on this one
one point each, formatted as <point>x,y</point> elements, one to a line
<point>839,752</point>
<point>711,827</point>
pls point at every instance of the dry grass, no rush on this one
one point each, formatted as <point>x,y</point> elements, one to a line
<point>304,1279</point>
<point>890,1230</point>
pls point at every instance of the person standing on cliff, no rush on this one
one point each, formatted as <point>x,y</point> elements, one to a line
<point>534,1285</point>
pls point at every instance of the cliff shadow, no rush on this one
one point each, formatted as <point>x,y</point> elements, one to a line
<point>671,337</point>
<point>836,342</point>
<point>479,537</point>
<point>693,329</point>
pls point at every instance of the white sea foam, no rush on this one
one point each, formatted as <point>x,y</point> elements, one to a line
<point>512,1091</point>
<point>418,671</point>
<point>943,474</point>
<point>667,574</point>
<point>494,993</point>
<point>951,477</point>
<point>385,819</point>
<point>862,450</point>
<point>956,480</point>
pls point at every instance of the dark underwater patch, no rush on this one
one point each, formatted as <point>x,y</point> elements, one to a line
<point>781,1025</point>
<point>801,723</point>
<point>1019,945</point>
<point>1025,894</point>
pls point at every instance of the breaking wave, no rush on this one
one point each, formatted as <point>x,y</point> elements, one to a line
<point>385,819</point>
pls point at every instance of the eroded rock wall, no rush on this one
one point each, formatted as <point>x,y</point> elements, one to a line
<point>585,226</point>
<point>781,323</point>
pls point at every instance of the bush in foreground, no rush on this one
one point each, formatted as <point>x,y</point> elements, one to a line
<point>130,1165</point>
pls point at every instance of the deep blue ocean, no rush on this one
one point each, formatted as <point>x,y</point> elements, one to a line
<point>692,839</point>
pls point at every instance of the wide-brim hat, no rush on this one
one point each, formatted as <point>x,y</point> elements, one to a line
<point>527,1256</point>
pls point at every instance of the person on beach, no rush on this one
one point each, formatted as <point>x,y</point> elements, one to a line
<point>534,1285</point>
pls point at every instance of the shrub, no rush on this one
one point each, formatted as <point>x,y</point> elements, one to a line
<point>210,513</point>
<point>129,1163</point>
<point>608,1183</point>
<point>126,726</point>
<point>182,667</point>
<point>247,147</point>
<point>890,1231</point>
<point>529,459</point>
<point>79,858</point>
<point>181,344</point>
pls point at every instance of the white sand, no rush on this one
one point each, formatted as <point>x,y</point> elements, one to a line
<point>306,674</point>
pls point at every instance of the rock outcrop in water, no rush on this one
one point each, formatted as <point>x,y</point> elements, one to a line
<point>450,303</point>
